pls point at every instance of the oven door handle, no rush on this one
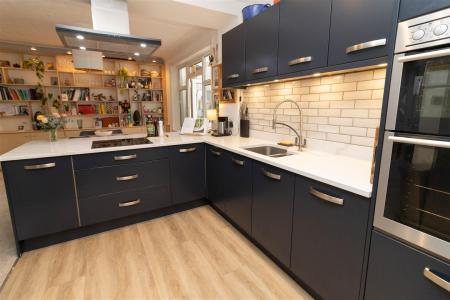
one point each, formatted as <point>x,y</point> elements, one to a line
<point>420,142</point>
<point>426,55</point>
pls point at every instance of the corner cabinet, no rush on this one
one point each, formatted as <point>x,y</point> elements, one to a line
<point>261,44</point>
<point>303,35</point>
<point>187,170</point>
<point>328,238</point>
<point>47,204</point>
<point>273,197</point>
<point>233,56</point>
<point>361,29</point>
<point>397,271</point>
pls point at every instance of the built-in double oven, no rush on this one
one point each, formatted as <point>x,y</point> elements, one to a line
<point>413,198</point>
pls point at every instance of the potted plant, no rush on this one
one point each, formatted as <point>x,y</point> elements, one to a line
<point>50,123</point>
<point>37,65</point>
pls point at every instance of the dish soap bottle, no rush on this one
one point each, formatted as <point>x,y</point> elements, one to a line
<point>151,128</point>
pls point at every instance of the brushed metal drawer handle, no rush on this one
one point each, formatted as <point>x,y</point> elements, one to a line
<point>125,157</point>
<point>186,150</point>
<point>260,70</point>
<point>300,60</point>
<point>438,280</point>
<point>126,178</point>
<point>271,175</point>
<point>238,162</point>
<point>366,45</point>
<point>233,76</point>
<point>326,197</point>
<point>130,203</point>
<point>40,166</point>
<point>216,153</point>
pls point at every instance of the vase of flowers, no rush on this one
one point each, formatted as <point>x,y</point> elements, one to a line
<point>51,124</point>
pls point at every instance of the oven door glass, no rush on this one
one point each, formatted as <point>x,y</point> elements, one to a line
<point>424,100</point>
<point>418,192</point>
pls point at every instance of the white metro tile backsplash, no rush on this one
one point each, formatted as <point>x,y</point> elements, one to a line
<point>342,108</point>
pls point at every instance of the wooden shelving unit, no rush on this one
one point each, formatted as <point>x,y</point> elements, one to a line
<point>64,78</point>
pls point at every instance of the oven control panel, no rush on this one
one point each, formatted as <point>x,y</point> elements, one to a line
<point>424,31</point>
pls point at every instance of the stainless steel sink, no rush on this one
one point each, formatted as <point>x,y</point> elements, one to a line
<point>269,151</point>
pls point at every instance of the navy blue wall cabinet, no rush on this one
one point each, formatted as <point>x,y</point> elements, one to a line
<point>360,30</point>
<point>303,35</point>
<point>273,197</point>
<point>233,56</point>
<point>187,169</point>
<point>414,8</point>
<point>215,172</point>
<point>261,44</point>
<point>396,271</point>
<point>238,190</point>
<point>41,195</point>
<point>328,238</point>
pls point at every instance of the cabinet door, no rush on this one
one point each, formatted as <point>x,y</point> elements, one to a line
<point>187,166</point>
<point>261,44</point>
<point>360,30</point>
<point>304,35</point>
<point>238,191</point>
<point>328,239</point>
<point>273,196</point>
<point>233,56</point>
<point>41,193</point>
<point>397,271</point>
<point>215,174</point>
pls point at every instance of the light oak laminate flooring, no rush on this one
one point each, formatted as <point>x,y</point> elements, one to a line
<point>194,254</point>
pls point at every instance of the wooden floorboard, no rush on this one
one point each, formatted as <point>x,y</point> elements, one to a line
<point>194,254</point>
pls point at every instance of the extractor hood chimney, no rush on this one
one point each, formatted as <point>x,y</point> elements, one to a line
<point>110,36</point>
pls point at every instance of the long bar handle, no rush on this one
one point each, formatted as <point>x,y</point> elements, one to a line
<point>438,280</point>
<point>186,150</point>
<point>271,175</point>
<point>260,70</point>
<point>233,76</point>
<point>366,45</point>
<point>216,153</point>
<point>127,178</point>
<point>426,55</point>
<point>125,157</point>
<point>40,166</point>
<point>326,197</point>
<point>420,142</point>
<point>238,162</point>
<point>130,203</point>
<point>300,60</point>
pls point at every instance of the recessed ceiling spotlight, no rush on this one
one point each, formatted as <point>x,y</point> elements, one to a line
<point>103,56</point>
<point>82,48</point>
<point>136,54</point>
<point>69,52</point>
<point>33,49</point>
<point>80,37</point>
<point>129,58</point>
<point>316,74</point>
<point>143,45</point>
<point>154,60</point>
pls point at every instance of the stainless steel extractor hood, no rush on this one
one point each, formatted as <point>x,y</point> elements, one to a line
<point>110,36</point>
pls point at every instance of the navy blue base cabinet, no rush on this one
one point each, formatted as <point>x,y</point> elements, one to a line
<point>187,170</point>
<point>396,271</point>
<point>328,239</point>
<point>215,172</point>
<point>41,195</point>
<point>273,198</point>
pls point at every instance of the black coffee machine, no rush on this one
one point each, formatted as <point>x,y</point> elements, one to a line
<point>223,127</point>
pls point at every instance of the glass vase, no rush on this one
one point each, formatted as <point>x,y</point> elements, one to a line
<point>53,135</point>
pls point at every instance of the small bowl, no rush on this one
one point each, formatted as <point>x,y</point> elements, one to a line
<point>103,132</point>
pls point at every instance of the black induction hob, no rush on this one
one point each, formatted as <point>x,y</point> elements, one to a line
<point>119,143</point>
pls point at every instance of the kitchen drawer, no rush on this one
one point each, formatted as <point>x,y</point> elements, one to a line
<point>113,179</point>
<point>396,271</point>
<point>118,205</point>
<point>89,161</point>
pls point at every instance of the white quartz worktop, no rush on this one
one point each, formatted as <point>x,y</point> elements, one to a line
<point>344,172</point>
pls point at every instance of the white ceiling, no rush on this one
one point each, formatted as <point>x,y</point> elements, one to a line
<point>176,22</point>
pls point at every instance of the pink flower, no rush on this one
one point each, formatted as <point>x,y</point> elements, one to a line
<point>44,120</point>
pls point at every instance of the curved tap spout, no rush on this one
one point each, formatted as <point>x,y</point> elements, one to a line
<point>299,140</point>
